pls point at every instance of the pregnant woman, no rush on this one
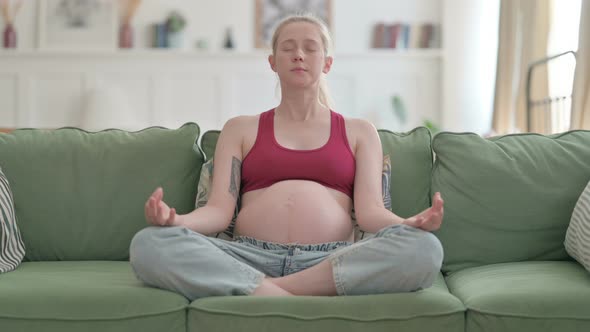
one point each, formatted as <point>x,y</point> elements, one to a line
<point>298,169</point>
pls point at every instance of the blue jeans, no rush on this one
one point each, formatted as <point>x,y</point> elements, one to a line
<point>398,258</point>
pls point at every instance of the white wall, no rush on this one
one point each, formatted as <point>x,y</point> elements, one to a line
<point>469,38</point>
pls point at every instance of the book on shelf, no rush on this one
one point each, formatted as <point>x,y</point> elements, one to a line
<point>378,32</point>
<point>401,35</point>
<point>393,32</point>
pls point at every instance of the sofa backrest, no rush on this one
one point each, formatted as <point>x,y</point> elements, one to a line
<point>81,195</point>
<point>411,166</point>
<point>508,198</point>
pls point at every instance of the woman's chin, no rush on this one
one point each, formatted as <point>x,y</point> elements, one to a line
<point>299,83</point>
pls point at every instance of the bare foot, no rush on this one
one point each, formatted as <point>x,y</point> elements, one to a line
<point>267,288</point>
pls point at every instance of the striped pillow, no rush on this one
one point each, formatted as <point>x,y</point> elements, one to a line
<point>577,238</point>
<point>12,248</point>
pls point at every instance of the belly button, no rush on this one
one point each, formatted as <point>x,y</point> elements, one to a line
<point>290,201</point>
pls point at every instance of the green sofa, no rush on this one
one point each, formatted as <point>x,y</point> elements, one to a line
<point>79,200</point>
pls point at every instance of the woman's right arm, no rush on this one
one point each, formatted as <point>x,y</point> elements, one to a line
<point>217,214</point>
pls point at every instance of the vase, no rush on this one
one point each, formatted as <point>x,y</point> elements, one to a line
<point>9,36</point>
<point>228,44</point>
<point>126,36</point>
<point>174,39</point>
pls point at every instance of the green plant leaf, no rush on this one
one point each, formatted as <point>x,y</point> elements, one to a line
<point>431,126</point>
<point>399,109</point>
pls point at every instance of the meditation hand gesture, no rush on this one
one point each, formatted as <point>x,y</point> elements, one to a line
<point>157,212</point>
<point>431,218</point>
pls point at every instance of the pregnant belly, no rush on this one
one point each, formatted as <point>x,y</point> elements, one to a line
<point>295,211</point>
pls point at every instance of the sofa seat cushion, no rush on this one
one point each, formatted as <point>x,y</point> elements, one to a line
<point>525,296</point>
<point>85,296</point>
<point>432,309</point>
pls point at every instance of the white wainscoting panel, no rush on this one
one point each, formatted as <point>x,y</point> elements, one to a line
<point>55,99</point>
<point>252,93</point>
<point>191,98</point>
<point>8,100</point>
<point>137,94</point>
<point>135,89</point>
<point>345,87</point>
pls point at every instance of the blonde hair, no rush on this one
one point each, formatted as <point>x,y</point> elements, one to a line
<point>324,94</point>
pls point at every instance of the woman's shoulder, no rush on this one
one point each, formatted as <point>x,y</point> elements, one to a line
<point>242,127</point>
<point>241,122</point>
<point>358,130</point>
<point>358,125</point>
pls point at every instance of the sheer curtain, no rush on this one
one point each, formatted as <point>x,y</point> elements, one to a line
<point>524,32</point>
<point>581,93</point>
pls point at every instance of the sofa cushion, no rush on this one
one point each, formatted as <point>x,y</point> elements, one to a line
<point>433,309</point>
<point>411,166</point>
<point>577,237</point>
<point>80,195</point>
<point>12,249</point>
<point>526,296</point>
<point>85,296</point>
<point>508,198</point>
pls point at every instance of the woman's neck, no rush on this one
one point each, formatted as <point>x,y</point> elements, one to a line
<point>299,106</point>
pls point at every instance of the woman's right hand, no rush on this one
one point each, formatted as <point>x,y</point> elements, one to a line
<point>157,212</point>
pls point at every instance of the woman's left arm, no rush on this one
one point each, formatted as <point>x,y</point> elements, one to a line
<point>370,212</point>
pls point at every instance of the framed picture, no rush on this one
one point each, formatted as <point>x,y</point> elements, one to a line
<point>270,12</point>
<point>77,24</point>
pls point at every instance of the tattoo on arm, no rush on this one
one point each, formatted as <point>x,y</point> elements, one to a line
<point>236,176</point>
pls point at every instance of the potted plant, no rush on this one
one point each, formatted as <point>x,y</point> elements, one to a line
<point>175,24</point>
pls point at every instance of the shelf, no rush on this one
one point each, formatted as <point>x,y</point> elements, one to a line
<point>171,53</point>
<point>407,53</point>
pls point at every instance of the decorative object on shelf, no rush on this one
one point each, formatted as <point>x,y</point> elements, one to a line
<point>126,30</point>
<point>159,31</point>
<point>202,44</point>
<point>270,12</point>
<point>9,36</point>
<point>74,25</point>
<point>228,44</point>
<point>175,24</point>
<point>126,36</point>
<point>9,11</point>
<point>401,35</point>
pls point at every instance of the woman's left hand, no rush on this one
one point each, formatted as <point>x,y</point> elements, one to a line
<point>429,219</point>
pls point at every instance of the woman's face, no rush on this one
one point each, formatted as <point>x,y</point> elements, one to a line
<point>300,59</point>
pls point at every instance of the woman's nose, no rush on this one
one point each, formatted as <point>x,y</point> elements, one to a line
<point>298,56</point>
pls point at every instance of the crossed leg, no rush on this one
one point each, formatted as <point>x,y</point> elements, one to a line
<point>398,259</point>
<point>316,280</point>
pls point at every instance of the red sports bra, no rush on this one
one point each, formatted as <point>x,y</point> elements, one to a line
<point>332,165</point>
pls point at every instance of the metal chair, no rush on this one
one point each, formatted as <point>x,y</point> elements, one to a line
<point>549,104</point>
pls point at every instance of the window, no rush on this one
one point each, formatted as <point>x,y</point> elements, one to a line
<point>563,37</point>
